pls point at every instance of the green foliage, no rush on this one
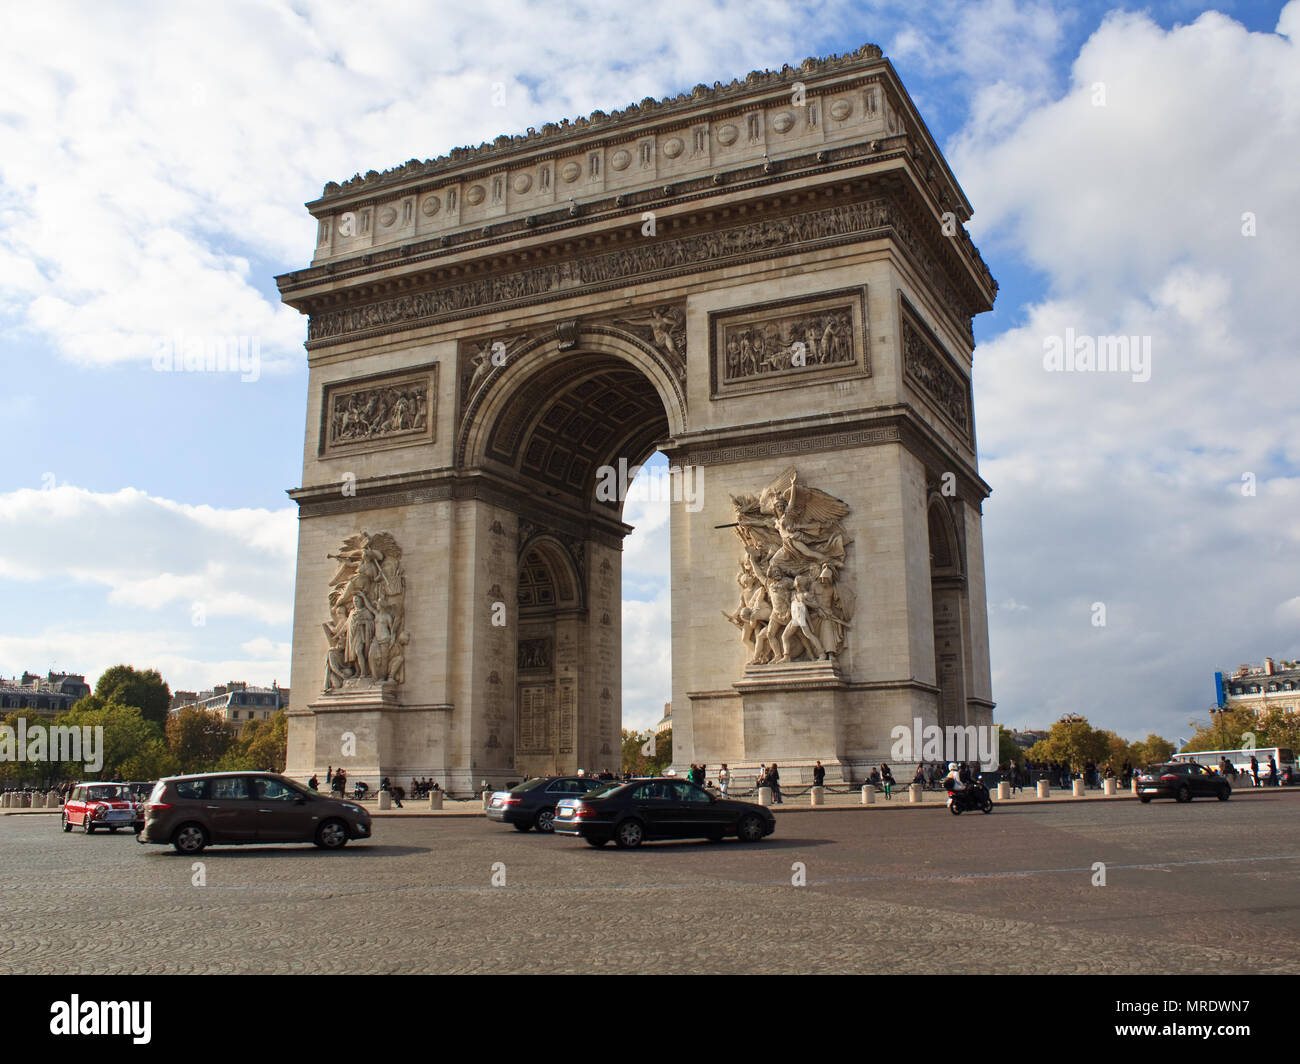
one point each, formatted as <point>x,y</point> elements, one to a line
<point>1229,730</point>
<point>1008,750</point>
<point>262,746</point>
<point>643,758</point>
<point>131,687</point>
<point>1074,741</point>
<point>1150,751</point>
<point>198,740</point>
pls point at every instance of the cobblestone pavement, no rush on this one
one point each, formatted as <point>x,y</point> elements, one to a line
<point>1206,887</point>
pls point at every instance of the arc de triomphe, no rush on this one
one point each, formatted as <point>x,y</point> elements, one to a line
<point>767,280</point>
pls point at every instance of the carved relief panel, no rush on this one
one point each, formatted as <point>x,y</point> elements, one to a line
<point>790,342</point>
<point>374,413</point>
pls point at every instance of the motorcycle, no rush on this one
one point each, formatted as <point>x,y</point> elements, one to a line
<point>975,796</point>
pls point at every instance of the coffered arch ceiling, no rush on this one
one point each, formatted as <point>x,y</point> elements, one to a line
<point>578,414</point>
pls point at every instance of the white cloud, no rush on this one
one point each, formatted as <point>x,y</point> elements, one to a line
<point>1125,493</point>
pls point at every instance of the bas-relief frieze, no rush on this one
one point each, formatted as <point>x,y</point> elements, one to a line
<point>930,371</point>
<point>674,254</point>
<point>391,411</point>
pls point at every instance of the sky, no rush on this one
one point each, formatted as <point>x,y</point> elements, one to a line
<point>1133,173</point>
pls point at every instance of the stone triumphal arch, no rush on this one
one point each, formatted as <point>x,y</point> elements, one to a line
<point>767,280</point>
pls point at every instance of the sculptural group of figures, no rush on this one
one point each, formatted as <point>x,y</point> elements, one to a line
<point>376,412</point>
<point>770,347</point>
<point>791,605</point>
<point>367,640</point>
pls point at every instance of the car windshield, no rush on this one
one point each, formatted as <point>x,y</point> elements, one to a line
<point>527,785</point>
<point>103,794</point>
<point>604,789</point>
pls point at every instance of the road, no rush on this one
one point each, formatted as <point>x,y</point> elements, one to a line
<point>1206,887</point>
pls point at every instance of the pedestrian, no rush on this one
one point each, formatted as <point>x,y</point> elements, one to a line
<point>339,782</point>
<point>313,783</point>
<point>774,781</point>
<point>819,775</point>
<point>761,782</point>
<point>1274,779</point>
<point>724,779</point>
<point>1013,775</point>
<point>929,775</point>
<point>1254,770</point>
<point>329,776</point>
<point>887,779</point>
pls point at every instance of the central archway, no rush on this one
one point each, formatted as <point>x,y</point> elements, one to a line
<point>562,421</point>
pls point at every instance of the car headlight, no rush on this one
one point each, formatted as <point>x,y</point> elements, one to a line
<point>352,808</point>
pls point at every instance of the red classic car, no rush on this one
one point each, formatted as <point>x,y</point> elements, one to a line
<point>101,805</point>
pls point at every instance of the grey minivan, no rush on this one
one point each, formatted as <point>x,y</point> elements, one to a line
<point>238,808</point>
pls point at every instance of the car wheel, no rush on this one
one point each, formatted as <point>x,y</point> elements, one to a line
<point>751,828</point>
<point>1144,801</point>
<point>1224,793</point>
<point>1184,794</point>
<point>332,835</point>
<point>629,835</point>
<point>954,809</point>
<point>86,826</point>
<point>189,839</point>
<point>112,830</point>
<point>988,805</point>
<point>546,821</point>
<point>598,843</point>
<point>67,826</point>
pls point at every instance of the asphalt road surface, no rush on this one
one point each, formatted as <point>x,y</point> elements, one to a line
<point>1205,887</point>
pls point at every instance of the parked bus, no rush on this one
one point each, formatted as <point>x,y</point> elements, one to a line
<point>1240,760</point>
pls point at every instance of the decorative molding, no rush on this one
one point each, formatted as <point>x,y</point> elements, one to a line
<point>827,227</point>
<point>805,339</point>
<point>557,133</point>
<point>380,411</point>
<point>831,441</point>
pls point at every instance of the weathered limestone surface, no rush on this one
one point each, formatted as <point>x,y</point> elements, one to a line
<point>765,279</point>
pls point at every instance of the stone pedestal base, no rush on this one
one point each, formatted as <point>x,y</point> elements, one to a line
<point>817,796</point>
<point>435,799</point>
<point>915,792</point>
<point>1044,791</point>
<point>868,794</point>
<point>792,711</point>
<point>385,800</point>
<point>765,796</point>
<point>1004,791</point>
<point>1078,788</point>
<point>1109,786</point>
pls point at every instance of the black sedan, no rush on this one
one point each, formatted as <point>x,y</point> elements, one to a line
<point>1182,782</point>
<point>631,813</point>
<point>532,803</point>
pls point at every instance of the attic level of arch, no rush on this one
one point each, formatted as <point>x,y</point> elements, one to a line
<point>604,248</point>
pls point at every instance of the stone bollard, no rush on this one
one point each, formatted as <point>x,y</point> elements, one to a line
<point>1078,788</point>
<point>915,793</point>
<point>765,796</point>
<point>817,796</point>
<point>1109,786</point>
<point>52,800</point>
<point>4,801</point>
<point>487,800</point>
<point>1044,789</point>
<point>868,794</point>
<point>24,801</point>
<point>385,800</point>
<point>1135,783</point>
<point>1004,791</point>
<point>435,799</point>
<point>38,800</point>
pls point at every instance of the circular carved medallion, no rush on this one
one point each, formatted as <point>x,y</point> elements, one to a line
<point>621,159</point>
<point>783,122</point>
<point>570,173</point>
<point>674,147</point>
<point>431,206</point>
<point>841,109</point>
<point>388,216</point>
<point>523,182</point>
<point>728,135</point>
<point>475,195</point>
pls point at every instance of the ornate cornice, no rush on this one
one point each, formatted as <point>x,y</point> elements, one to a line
<point>557,134</point>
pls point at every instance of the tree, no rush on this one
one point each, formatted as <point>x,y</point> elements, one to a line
<point>198,739</point>
<point>644,758</point>
<point>1008,749</point>
<point>1153,750</point>
<point>1225,730</point>
<point>261,746</point>
<point>1074,741</point>
<point>130,687</point>
<point>133,747</point>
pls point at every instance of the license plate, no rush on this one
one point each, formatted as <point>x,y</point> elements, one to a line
<point>1149,790</point>
<point>115,815</point>
<point>565,814</point>
<point>496,803</point>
